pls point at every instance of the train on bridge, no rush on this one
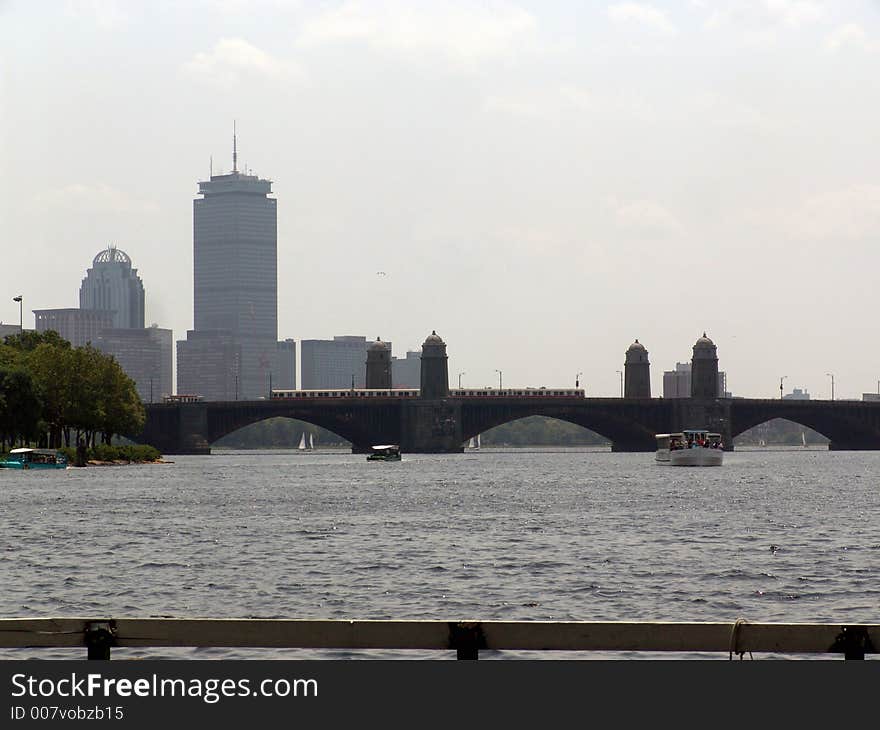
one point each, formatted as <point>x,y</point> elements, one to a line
<point>414,393</point>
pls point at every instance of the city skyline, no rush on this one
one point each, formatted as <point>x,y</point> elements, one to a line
<point>541,186</point>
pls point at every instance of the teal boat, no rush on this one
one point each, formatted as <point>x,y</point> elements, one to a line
<point>34,459</point>
<point>388,452</point>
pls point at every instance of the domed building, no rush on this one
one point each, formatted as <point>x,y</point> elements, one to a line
<point>379,365</point>
<point>112,285</point>
<point>704,369</point>
<point>637,372</point>
<point>435,368</point>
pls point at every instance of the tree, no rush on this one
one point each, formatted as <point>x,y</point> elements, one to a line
<point>20,405</point>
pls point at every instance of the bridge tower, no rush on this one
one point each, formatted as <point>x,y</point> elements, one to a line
<point>637,369</point>
<point>704,369</point>
<point>435,370</point>
<point>379,365</point>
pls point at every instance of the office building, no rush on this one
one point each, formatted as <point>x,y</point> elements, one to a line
<point>8,329</point>
<point>797,394</point>
<point>235,293</point>
<point>145,356</point>
<point>335,363</point>
<point>407,372</point>
<point>78,326</point>
<point>677,383</point>
<point>112,285</point>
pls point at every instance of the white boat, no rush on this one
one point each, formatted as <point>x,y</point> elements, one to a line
<point>311,441</point>
<point>471,443</point>
<point>302,442</point>
<point>477,444</point>
<point>804,438</point>
<point>692,447</point>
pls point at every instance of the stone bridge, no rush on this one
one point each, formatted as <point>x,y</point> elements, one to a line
<point>443,425</point>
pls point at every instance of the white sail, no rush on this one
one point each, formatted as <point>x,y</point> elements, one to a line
<point>804,438</point>
<point>477,444</point>
<point>471,443</point>
<point>302,442</point>
<point>311,441</point>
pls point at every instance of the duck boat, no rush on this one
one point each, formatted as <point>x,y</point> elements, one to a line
<point>384,452</point>
<point>34,459</point>
<point>692,447</point>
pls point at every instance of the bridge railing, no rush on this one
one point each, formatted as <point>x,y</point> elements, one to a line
<point>98,635</point>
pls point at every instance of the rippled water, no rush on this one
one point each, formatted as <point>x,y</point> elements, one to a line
<point>557,534</point>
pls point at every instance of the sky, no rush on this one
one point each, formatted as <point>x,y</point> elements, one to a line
<point>542,182</point>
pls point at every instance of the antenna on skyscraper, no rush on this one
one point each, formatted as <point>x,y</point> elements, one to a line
<point>234,149</point>
<point>211,167</point>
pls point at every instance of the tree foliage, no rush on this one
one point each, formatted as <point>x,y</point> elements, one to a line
<point>50,390</point>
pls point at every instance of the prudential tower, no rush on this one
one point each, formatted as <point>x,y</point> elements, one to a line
<point>233,351</point>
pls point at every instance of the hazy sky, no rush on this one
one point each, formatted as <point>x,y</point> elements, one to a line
<point>542,182</point>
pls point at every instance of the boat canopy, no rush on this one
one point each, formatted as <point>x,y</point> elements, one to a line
<point>20,451</point>
<point>384,447</point>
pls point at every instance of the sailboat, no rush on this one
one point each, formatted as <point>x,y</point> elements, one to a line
<point>471,443</point>
<point>311,441</point>
<point>477,442</point>
<point>804,438</point>
<point>302,442</point>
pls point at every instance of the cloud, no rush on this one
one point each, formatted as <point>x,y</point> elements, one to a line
<point>644,217</point>
<point>850,36</point>
<point>761,15</point>
<point>552,102</point>
<point>462,32</point>
<point>93,198</point>
<point>233,60</point>
<point>646,16</point>
<point>848,214</point>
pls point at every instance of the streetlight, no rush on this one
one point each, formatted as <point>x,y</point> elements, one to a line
<point>20,315</point>
<point>620,373</point>
<point>459,379</point>
<point>499,378</point>
<point>780,385</point>
<point>577,380</point>
<point>831,375</point>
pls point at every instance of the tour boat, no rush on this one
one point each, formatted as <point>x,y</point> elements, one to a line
<point>34,459</point>
<point>693,447</point>
<point>386,452</point>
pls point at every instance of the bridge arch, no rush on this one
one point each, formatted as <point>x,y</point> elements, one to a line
<point>534,429</point>
<point>848,426</point>
<point>277,432</point>
<point>360,426</point>
<point>629,428</point>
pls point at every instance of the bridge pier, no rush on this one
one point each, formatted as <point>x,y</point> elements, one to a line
<point>177,429</point>
<point>431,427</point>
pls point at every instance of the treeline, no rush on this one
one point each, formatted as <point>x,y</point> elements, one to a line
<point>279,433</point>
<point>53,394</point>
<point>541,431</point>
<point>532,431</point>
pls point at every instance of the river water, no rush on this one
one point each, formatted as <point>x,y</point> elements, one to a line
<point>564,534</point>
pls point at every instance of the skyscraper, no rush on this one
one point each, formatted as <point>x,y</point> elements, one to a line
<point>112,285</point>
<point>235,292</point>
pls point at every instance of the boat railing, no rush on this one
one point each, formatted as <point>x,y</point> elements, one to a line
<point>98,635</point>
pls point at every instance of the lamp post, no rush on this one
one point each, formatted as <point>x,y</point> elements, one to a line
<point>499,379</point>
<point>831,375</point>
<point>780,385</point>
<point>459,379</point>
<point>19,299</point>
<point>577,380</point>
<point>620,373</point>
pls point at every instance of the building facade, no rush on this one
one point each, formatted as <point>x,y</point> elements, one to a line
<point>406,372</point>
<point>677,383</point>
<point>78,326</point>
<point>336,363</point>
<point>145,356</point>
<point>233,349</point>
<point>112,285</point>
